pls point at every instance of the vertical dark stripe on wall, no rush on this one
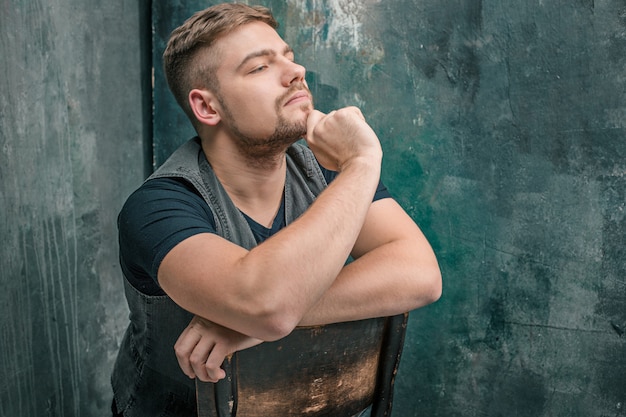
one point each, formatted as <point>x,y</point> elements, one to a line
<point>147,64</point>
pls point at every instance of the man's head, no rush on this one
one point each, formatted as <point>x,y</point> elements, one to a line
<point>235,77</point>
<point>190,59</point>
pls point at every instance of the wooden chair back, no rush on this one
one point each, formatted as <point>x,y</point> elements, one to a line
<point>335,370</point>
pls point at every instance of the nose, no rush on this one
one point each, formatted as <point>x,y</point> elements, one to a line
<point>293,73</point>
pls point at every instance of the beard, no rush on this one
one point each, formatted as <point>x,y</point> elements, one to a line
<point>266,151</point>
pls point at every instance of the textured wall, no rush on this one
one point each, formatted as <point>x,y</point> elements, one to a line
<point>519,156</point>
<point>503,129</point>
<point>503,125</point>
<point>71,139</point>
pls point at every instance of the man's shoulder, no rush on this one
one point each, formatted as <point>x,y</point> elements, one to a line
<point>162,192</point>
<point>181,162</point>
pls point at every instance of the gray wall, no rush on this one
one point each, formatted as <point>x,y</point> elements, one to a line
<point>503,126</point>
<point>71,149</point>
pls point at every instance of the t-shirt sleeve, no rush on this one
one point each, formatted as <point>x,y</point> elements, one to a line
<point>160,214</point>
<point>381,190</point>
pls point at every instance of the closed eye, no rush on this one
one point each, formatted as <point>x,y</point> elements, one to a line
<point>257,69</point>
<point>267,53</point>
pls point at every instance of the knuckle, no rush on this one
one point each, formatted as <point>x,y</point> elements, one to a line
<point>179,350</point>
<point>196,359</point>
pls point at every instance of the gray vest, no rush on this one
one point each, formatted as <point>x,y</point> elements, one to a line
<point>147,380</point>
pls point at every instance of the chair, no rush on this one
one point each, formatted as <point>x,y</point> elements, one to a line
<point>335,370</point>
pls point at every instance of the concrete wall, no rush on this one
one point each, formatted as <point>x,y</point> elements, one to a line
<point>72,131</point>
<point>503,129</point>
<point>503,126</point>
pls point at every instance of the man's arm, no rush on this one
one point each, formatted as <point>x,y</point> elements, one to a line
<point>395,271</point>
<point>265,292</point>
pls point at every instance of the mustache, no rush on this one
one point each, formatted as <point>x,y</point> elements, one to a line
<point>296,86</point>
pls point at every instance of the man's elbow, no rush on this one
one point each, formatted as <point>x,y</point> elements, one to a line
<point>275,321</point>
<point>430,287</point>
<point>436,286</point>
<point>277,327</point>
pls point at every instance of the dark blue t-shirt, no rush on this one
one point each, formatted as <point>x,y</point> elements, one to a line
<point>165,211</point>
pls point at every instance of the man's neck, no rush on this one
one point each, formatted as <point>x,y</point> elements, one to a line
<point>255,187</point>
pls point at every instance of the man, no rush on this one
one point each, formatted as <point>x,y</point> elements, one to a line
<point>243,235</point>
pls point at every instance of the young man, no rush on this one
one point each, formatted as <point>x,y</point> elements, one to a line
<point>243,235</point>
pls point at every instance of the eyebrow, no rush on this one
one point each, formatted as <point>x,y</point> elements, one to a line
<point>262,52</point>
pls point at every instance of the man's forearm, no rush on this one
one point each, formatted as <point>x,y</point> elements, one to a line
<point>300,262</point>
<point>390,279</point>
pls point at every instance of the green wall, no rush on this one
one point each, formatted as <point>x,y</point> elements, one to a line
<point>72,129</point>
<point>503,126</point>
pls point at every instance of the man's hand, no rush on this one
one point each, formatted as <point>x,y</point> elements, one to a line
<point>202,347</point>
<point>340,136</point>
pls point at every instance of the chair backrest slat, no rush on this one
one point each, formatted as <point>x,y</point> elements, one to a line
<point>320,371</point>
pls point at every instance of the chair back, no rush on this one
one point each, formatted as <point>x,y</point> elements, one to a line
<point>334,370</point>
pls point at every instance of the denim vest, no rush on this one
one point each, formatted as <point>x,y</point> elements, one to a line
<point>146,379</point>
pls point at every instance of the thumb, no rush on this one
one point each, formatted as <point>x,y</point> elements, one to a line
<point>314,118</point>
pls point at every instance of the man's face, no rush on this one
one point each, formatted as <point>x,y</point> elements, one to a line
<point>263,97</point>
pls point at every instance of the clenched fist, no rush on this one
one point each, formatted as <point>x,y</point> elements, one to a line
<point>340,137</point>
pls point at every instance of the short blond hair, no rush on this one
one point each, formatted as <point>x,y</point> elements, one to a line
<point>192,40</point>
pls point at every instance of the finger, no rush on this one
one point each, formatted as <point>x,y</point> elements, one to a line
<point>214,363</point>
<point>183,348</point>
<point>198,359</point>
<point>214,374</point>
<point>354,110</point>
<point>360,114</point>
<point>314,117</point>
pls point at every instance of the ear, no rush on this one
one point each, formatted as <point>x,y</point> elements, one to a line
<point>203,104</point>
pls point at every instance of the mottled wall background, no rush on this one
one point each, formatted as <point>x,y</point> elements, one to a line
<point>503,126</point>
<point>72,129</point>
<point>504,130</point>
